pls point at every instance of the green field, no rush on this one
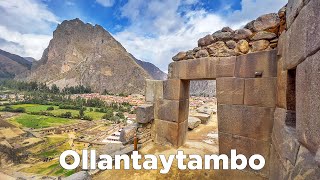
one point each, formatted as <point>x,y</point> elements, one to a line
<point>38,108</point>
<point>51,168</point>
<point>51,141</point>
<point>36,121</point>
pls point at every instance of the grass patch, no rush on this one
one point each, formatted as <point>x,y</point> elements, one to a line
<point>32,107</point>
<point>51,168</point>
<point>37,122</point>
<point>43,108</point>
<point>52,140</point>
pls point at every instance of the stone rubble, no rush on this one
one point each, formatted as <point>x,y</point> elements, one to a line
<point>193,122</point>
<point>258,35</point>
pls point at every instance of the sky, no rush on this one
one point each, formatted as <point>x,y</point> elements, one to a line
<point>152,30</point>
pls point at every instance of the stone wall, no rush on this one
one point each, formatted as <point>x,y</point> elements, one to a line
<point>296,132</point>
<point>268,84</point>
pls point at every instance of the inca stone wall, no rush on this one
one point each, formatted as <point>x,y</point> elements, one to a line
<point>295,151</point>
<point>268,84</point>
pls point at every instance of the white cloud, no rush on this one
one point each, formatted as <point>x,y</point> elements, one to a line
<point>23,44</point>
<point>25,27</point>
<point>160,49</point>
<point>106,3</point>
<point>251,9</point>
<point>26,16</point>
<point>159,29</point>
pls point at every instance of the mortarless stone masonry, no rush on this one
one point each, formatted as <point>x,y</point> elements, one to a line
<point>268,101</point>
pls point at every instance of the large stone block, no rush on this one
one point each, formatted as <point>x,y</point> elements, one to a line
<point>170,133</point>
<point>195,69</point>
<point>203,117</point>
<point>226,66</point>
<point>172,110</point>
<point>293,9</point>
<point>246,121</point>
<point>308,102</point>
<point>245,146</point>
<point>145,113</point>
<point>176,89</point>
<point>281,86</point>
<point>153,90</point>
<point>260,92</point>
<point>127,134</point>
<point>282,44</point>
<point>284,137</point>
<point>306,167</point>
<point>230,90</point>
<point>286,87</point>
<point>264,62</point>
<point>278,170</point>
<point>312,25</point>
<point>297,41</point>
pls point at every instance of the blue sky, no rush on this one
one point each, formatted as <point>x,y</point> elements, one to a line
<point>152,30</point>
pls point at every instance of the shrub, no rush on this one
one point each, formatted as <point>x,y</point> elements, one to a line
<point>66,115</point>
<point>88,118</point>
<point>51,108</point>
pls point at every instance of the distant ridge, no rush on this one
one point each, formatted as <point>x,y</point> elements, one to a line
<point>12,65</point>
<point>153,70</point>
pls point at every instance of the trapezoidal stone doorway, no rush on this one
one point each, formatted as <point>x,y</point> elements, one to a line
<point>246,94</point>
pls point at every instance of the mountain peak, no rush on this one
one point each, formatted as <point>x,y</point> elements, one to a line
<point>83,54</point>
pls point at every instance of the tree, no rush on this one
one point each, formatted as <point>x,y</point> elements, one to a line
<point>81,112</point>
<point>55,89</point>
<point>121,115</point>
<point>108,115</point>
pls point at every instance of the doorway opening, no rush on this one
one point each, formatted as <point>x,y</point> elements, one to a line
<point>202,119</point>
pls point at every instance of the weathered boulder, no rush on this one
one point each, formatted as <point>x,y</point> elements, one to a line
<point>227,29</point>
<point>282,12</point>
<point>205,41</point>
<point>196,49</point>
<point>220,49</point>
<point>231,44</point>
<point>190,54</point>
<point>263,35</point>
<point>267,21</point>
<point>202,53</point>
<point>249,26</point>
<point>193,122</point>
<point>127,133</point>
<point>242,34</point>
<point>203,117</point>
<point>209,109</point>
<point>259,45</point>
<point>180,56</point>
<point>223,36</point>
<point>243,46</point>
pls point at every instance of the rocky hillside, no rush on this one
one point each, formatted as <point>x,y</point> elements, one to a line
<point>153,70</point>
<point>82,54</point>
<point>12,65</point>
<point>205,88</point>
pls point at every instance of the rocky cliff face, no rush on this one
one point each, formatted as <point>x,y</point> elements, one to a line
<point>205,88</point>
<point>153,70</point>
<point>82,54</point>
<point>12,65</point>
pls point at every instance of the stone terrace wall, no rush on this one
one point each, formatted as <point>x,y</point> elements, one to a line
<point>296,132</point>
